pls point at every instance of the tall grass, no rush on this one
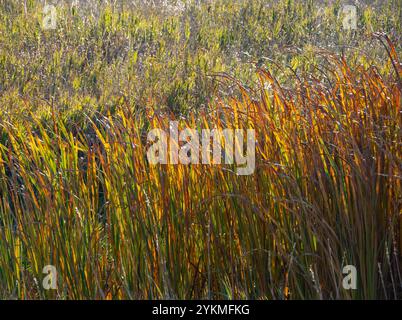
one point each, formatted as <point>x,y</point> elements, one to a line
<point>77,191</point>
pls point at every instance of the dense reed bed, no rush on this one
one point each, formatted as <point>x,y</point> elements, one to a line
<point>325,193</point>
<point>78,192</point>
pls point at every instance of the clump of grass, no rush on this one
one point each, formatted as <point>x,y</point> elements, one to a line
<point>326,193</point>
<point>77,191</point>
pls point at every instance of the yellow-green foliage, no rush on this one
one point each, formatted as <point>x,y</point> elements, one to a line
<point>77,191</point>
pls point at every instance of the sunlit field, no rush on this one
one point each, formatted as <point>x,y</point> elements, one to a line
<point>85,214</point>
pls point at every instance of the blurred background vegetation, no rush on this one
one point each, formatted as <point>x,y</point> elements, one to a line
<point>165,54</point>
